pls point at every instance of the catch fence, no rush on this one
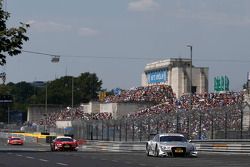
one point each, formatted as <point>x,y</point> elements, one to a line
<point>230,122</point>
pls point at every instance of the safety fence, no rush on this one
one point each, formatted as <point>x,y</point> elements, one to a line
<point>230,122</point>
<point>225,122</point>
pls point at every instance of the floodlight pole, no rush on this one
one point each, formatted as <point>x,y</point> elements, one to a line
<point>191,66</point>
<point>190,84</point>
<point>8,114</point>
<point>72,93</point>
<point>46,97</point>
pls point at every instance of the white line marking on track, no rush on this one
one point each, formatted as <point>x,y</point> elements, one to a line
<point>104,159</point>
<point>44,160</point>
<point>19,155</point>
<point>9,153</point>
<point>62,164</point>
<point>29,157</point>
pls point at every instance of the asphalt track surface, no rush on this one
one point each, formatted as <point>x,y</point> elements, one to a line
<point>35,155</point>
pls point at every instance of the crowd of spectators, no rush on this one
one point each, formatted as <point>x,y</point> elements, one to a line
<point>208,111</point>
<point>163,103</point>
<point>155,94</point>
<point>204,101</point>
<point>70,114</point>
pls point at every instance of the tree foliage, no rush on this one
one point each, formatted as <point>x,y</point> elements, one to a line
<point>85,88</point>
<point>11,38</point>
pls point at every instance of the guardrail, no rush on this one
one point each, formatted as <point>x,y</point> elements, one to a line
<point>222,145</point>
<point>113,146</point>
<point>225,146</point>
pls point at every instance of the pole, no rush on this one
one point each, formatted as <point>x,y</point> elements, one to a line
<point>241,121</point>
<point>8,114</point>
<point>72,91</point>
<point>190,84</point>
<point>46,98</point>
<point>191,67</point>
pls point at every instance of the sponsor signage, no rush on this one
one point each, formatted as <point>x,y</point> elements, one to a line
<point>117,91</point>
<point>102,96</point>
<point>157,76</point>
<point>221,83</point>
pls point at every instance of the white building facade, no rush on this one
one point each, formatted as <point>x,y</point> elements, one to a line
<point>176,72</point>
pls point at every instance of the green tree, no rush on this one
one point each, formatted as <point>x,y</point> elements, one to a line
<point>87,87</point>
<point>21,91</point>
<point>11,38</point>
<point>59,91</point>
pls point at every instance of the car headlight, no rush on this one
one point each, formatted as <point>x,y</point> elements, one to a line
<point>165,147</point>
<point>59,144</point>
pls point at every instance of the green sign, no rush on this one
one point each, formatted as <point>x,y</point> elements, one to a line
<point>221,83</point>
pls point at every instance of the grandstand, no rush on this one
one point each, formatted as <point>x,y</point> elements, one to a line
<point>163,104</point>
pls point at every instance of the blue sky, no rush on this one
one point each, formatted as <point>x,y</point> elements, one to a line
<point>86,32</point>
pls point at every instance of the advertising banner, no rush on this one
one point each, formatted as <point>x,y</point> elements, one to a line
<point>157,76</point>
<point>221,83</point>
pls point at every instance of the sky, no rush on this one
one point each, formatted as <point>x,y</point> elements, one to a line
<point>116,38</point>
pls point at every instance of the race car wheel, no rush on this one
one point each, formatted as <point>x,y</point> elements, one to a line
<point>52,148</point>
<point>156,153</point>
<point>147,150</point>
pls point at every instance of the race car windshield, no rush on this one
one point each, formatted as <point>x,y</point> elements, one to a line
<point>15,139</point>
<point>64,139</point>
<point>172,138</point>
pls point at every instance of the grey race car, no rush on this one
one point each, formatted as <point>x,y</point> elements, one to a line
<point>170,145</point>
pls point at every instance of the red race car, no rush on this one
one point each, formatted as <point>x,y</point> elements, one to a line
<point>15,141</point>
<point>64,143</point>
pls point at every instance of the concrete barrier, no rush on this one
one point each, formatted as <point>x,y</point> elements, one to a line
<point>208,146</point>
<point>113,146</point>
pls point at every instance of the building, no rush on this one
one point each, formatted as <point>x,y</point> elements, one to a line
<point>176,72</point>
<point>37,112</point>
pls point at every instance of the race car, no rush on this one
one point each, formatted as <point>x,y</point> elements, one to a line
<point>64,143</point>
<point>15,141</point>
<point>170,145</point>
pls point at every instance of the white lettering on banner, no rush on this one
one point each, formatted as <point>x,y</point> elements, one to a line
<point>152,77</point>
<point>157,76</point>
